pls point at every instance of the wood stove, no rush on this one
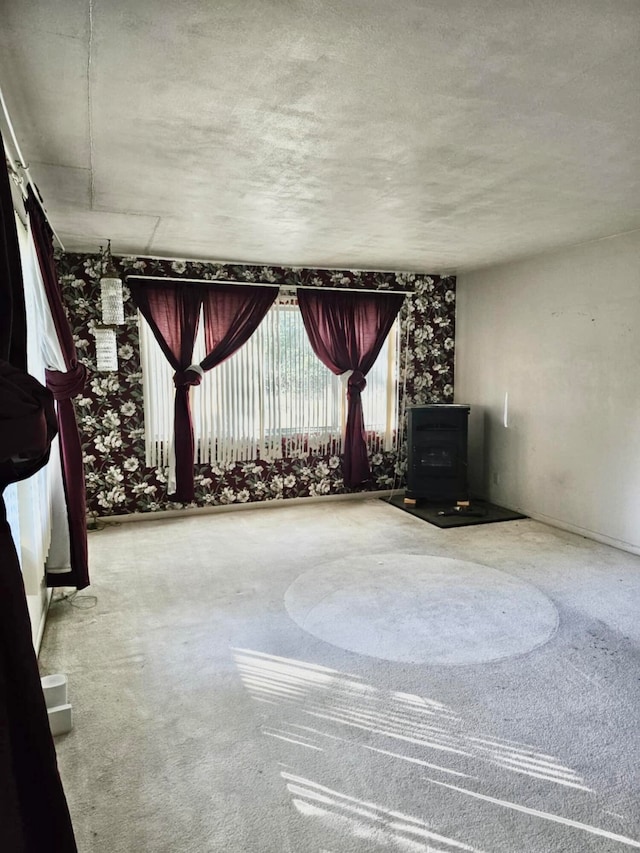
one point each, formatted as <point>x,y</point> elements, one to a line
<point>437,453</point>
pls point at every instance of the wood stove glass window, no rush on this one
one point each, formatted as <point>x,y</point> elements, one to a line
<point>437,457</point>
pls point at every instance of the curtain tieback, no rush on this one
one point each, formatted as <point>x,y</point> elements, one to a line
<point>191,375</point>
<point>356,383</point>
<point>67,384</point>
<point>27,424</point>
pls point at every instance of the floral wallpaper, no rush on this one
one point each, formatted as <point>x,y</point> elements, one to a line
<point>110,411</point>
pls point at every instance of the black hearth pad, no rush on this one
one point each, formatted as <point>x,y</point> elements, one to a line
<point>445,515</point>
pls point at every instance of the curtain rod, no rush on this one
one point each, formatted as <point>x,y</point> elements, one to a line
<point>265,284</point>
<point>18,165</point>
<point>231,262</point>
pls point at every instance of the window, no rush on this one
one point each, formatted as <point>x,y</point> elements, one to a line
<point>273,398</point>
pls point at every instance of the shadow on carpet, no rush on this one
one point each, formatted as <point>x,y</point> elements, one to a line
<point>446,515</point>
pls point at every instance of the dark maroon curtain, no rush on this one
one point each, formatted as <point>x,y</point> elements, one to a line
<point>64,386</point>
<point>231,313</point>
<point>172,310</point>
<point>34,817</point>
<point>346,331</point>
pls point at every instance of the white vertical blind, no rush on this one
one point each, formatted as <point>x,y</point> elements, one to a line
<point>158,393</point>
<point>272,398</point>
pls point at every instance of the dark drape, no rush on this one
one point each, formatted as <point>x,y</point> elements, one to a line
<point>231,314</point>
<point>346,331</point>
<point>173,310</point>
<point>34,817</point>
<point>65,386</point>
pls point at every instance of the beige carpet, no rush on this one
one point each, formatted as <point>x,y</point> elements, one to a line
<point>344,678</point>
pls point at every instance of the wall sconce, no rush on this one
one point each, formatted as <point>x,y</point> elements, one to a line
<point>111,291</point>
<point>106,348</point>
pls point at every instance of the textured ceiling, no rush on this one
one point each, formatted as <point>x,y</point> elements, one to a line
<point>438,135</point>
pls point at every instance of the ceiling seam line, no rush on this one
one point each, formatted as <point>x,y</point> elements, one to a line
<point>90,107</point>
<point>153,234</point>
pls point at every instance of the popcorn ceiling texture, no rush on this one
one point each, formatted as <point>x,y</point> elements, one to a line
<point>110,412</point>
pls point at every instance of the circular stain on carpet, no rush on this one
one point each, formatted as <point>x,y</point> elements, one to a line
<point>421,609</point>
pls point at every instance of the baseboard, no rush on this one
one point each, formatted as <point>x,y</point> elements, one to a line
<point>560,524</point>
<point>38,616</point>
<point>250,505</point>
<point>620,544</point>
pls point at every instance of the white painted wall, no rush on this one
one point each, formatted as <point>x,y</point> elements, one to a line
<point>561,334</point>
